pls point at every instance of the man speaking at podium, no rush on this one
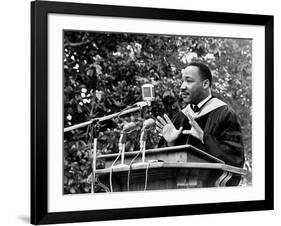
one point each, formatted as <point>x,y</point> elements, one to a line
<point>206,122</point>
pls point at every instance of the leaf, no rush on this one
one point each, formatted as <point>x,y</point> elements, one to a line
<point>72,191</point>
<point>79,109</point>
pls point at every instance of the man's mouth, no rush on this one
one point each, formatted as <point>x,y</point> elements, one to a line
<point>184,94</point>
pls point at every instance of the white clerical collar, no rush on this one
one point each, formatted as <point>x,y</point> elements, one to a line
<point>204,101</point>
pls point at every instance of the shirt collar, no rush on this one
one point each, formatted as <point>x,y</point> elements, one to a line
<point>204,101</point>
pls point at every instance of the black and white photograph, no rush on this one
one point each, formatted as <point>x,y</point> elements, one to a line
<point>155,111</point>
<point>148,112</point>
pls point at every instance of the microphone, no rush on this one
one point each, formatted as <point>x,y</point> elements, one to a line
<point>147,125</point>
<point>148,95</point>
<point>127,128</point>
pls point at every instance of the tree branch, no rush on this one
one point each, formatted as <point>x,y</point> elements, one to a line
<point>76,44</point>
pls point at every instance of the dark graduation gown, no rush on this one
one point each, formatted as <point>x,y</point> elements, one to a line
<point>222,136</point>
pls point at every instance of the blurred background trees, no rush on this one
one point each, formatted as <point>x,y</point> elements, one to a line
<point>103,74</point>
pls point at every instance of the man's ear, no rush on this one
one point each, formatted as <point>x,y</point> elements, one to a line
<point>206,83</point>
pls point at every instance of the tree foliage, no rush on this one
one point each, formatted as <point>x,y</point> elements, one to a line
<point>103,74</point>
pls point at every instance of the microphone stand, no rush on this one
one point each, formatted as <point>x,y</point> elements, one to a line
<point>142,148</point>
<point>138,107</point>
<point>143,143</point>
<point>95,134</point>
<point>122,145</point>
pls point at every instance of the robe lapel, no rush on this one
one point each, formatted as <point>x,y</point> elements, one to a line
<point>213,104</point>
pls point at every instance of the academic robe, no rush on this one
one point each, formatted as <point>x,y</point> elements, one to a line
<point>222,136</point>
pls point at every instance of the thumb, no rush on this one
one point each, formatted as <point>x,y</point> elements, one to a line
<point>186,132</point>
<point>180,129</point>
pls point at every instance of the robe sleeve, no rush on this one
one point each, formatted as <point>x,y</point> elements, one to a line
<point>226,142</point>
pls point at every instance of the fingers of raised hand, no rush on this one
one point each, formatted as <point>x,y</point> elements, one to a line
<point>159,129</point>
<point>164,125</point>
<point>195,125</point>
<point>191,119</point>
<point>161,121</point>
<point>192,123</point>
<point>159,126</point>
<point>168,120</point>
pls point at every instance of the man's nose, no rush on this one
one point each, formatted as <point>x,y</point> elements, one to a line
<point>183,86</point>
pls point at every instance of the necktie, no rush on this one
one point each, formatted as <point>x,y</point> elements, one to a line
<point>195,108</point>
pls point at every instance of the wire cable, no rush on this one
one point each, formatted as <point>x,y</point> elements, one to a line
<point>99,183</point>
<point>93,159</point>
<point>130,168</point>
<point>111,169</point>
<point>146,176</point>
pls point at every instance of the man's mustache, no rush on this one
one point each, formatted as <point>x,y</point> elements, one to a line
<point>184,91</point>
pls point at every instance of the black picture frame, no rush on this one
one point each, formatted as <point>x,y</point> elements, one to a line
<point>39,112</point>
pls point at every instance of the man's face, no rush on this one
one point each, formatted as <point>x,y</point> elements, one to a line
<point>192,87</point>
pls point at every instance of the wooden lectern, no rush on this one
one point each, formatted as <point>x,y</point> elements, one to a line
<point>174,167</point>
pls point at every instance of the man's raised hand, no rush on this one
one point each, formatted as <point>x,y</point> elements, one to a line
<point>166,127</point>
<point>195,130</point>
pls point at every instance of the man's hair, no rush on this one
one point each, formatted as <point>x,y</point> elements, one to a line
<point>204,70</point>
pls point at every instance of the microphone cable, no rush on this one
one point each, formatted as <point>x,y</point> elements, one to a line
<point>130,168</point>
<point>146,176</point>
<point>147,124</point>
<point>121,150</point>
<point>102,185</point>
<point>111,169</point>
